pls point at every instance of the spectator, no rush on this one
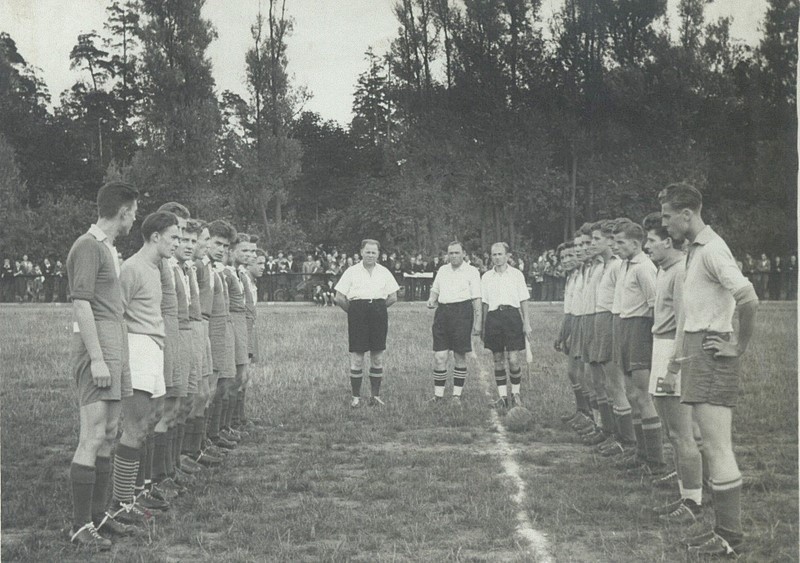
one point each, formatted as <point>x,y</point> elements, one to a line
<point>749,268</point>
<point>60,282</point>
<point>762,275</point>
<point>7,281</point>
<point>293,266</point>
<point>37,285</point>
<point>776,279</point>
<point>27,276</point>
<point>791,278</point>
<point>19,282</point>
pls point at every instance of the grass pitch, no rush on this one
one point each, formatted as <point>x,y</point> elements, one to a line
<point>413,481</point>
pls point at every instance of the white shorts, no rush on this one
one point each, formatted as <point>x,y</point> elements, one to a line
<point>147,365</point>
<point>662,353</point>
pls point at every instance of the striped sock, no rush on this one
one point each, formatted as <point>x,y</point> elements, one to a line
<point>500,380</point>
<point>356,376</point>
<point>439,381</point>
<point>375,378</point>
<point>728,506</point>
<point>82,479</point>
<point>126,467</point>
<point>459,379</point>
<point>653,440</point>
<point>516,380</point>
<point>102,473</point>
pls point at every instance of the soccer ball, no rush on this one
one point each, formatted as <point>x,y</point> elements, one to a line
<point>519,419</point>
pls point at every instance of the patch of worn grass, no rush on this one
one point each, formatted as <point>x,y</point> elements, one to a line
<point>414,481</point>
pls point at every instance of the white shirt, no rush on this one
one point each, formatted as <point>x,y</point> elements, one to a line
<point>506,288</point>
<point>358,283</point>
<point>454,285</point>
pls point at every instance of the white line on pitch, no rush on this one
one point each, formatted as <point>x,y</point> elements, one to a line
<point>536,540</point>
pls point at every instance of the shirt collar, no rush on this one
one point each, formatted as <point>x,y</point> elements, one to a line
<point>670,262</point>
<point>705,236</point>
<point>639,258</point>
<point>98,233</point>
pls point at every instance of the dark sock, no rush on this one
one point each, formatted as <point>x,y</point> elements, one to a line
<point>188,442</point>
<point>728,507</point>
<point>375,379</point>
<point>639,433</point>
<point>580,401</point>
<point>356,376</point>
<point>587,403</point>
<point>653,440</point>
<point>606,416</point>
<point>240,403</point>
<point>151,449</point>
<point>169,443</point>
<point>223,412</point>
<point>126,468</point>
<point>214,417</point>
<point>102,480</point>
<point>82,478</point>
<point>159,456</point>
<point>625,425</point>
<point>199,434</point>
<point>501,382</point>
<point>516,379</point>
<point>177,448</point>
<point>231,406</point>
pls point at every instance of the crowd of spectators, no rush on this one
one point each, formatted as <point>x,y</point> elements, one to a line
<point>311,275</point>
<point>25,281</point>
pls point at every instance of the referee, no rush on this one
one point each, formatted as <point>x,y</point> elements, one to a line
<point>457,292</point>
<point>365,291</point>
<point>506,322</point>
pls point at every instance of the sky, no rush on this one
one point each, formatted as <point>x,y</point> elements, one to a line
<point>325,51</point>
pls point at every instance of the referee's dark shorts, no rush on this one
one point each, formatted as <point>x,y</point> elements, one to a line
<point>367,325</point>
<point>452,327</point>
<point>504,330</point>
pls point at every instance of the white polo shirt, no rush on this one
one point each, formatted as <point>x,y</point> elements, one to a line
<point>454,285</point>
<point>504,288</point>
<point>358,283</point>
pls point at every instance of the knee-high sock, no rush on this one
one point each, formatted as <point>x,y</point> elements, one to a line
<point>637,430</point>
<point>375,379</point>
<point>625,425</point>
<point>356,376</point>
<point>606,416</point>
<point>102,480</point>
<point>439,382</point>
<point>126,468</point>
<point>215,416</point>
<point>728,506</point>
<point>653,440</point>
<point>82,478</point>
<point>159,456</point>
<point>516,379</point>
<point>177,448</point>
<point>501,382</point>
<point>168,455</point>
<point>459,379</point>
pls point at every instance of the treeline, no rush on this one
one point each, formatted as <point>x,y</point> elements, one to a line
<point>484,121</point>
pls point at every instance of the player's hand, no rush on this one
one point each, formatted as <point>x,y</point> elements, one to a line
<point>528,331</point>
<point>669,383</point>
<point>431,304</point>
<point>101,375</point>
<point>476,331</point>
<point>722,348</point>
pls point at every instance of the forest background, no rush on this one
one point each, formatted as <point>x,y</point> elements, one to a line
<point>483,121</point>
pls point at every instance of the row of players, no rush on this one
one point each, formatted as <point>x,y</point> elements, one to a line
<point>162,342</point>
<point>650,342</point>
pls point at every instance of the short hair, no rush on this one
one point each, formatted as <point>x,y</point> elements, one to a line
<point>577,234</point>
<point>681,196</point>
<point>157,222</point>
<point>240,238</point>
<point>455,243</point>
<point>260,252</point>
<point>223,229</point>
<point>176,208</point>
<point>194,226</point>
<point>367,241</point>
<point>585,230</point>
<point>504,245</point>
<point>561,248</point>
<point>254,239</point>
<point>630,230</point>
<point>113,196</point>
<point>653,223</point>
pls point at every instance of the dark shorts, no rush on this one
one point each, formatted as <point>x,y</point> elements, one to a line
<point>576,338</point>
<point>636,343</point>
<point>172,335</point>
<point>367,325</point>
<point>452,327</point>
<point>704,378</point>
<point>113,338</point>
<point>603,337</point>
<point>566,332</point>
<point>587,337</point>
<point>217,330</point>
<point>616,338</point>
<point>504,330</point>
<point>183,364</point>
<point>241,356</point>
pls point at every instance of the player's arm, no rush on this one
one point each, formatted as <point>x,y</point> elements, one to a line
<point>341,301</point>
<point>557,345</point>
<point>391,299</point>
<point>734,281</point>
<point>484,313</point>
<point>433,299</point>
<point>82,311</point>
<point>523,311</point>
<point>477,316</point>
